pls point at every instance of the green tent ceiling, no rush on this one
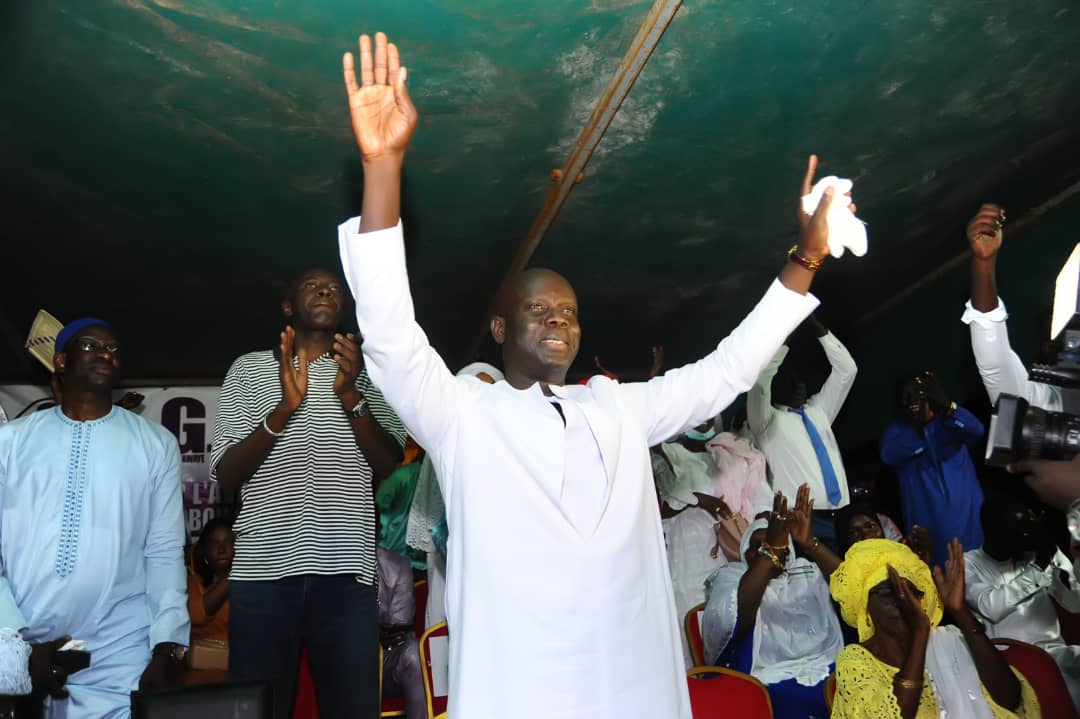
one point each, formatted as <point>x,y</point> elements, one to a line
<point>168,163</point>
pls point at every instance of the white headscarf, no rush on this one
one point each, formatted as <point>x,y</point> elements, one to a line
<point>428,508</point>
<point>796,633</point>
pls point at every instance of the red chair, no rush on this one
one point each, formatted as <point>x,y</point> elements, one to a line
<point>719,693</point>
<point>1042,674</point>
<point>305,705</point>
<point>830,691</point>
<point>692,627</point>
<point>436,702</point>
<point>420,595</point>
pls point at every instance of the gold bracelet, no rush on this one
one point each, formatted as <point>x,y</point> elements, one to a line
<point>812,265</point>
<point>908,683</point>
<point>765,552</point>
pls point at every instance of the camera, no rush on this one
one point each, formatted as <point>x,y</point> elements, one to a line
<point>1020,431</point>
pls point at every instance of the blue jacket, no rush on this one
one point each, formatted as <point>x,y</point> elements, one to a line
<point>938,484</point>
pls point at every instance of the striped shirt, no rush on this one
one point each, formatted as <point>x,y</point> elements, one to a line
<point>309,508</point>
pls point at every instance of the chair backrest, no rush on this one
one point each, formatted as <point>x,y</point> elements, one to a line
<point>434,651</point>
<point>830,691</point>
<point>692,627</point>
<point>716,692</point>
<point>420,594</point>
<point>1042,673</point>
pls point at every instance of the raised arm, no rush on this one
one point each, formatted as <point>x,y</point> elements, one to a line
<point>830,398</point>
<point>696,392</point>
<point>398,357</point>
<point>1001,370</point>
<point>994,672</point>
<point>759,407</point>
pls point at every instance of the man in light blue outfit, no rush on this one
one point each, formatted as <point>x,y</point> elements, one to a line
<point>91,537</point>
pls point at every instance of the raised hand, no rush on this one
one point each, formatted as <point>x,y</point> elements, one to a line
<point>950,582</point>
<point>715,506</point>
<point>776,534</point>
<point>919,542</point>
<point>383,115</point>
<point>814,230</point>
<point>293,379</point>
<point>984,232</point>
<point>801,519</point>
<point>349,361</point>
<point>910,606</point>
<point>657,361</point>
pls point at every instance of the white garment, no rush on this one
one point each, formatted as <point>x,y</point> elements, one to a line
<point>585,484</point>
<point>14,664</point>
<point>684,473</point>
<point>796,632</point>
<point>740,476</point>
<point>954,677</point>
<point>691,536</point>
<point>428,509</point>
<point>782,436</point>
<point>546,621</point>
<point>1001,370</point>
<point>1016,601</point>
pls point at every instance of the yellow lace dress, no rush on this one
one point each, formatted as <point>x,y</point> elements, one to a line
<point>864,690</point>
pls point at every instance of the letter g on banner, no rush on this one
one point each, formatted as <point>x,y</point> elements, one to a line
<point>178,414</point>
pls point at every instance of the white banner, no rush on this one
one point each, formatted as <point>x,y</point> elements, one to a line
<point>187,412</point>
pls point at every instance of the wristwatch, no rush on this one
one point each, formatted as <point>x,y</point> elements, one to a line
<point>172,650</point>
<point>360,410</point>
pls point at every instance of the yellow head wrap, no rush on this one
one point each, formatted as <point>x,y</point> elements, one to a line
<point>865,566</point>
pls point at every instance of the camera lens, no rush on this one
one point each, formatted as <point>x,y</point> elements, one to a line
<point>1050,435</point>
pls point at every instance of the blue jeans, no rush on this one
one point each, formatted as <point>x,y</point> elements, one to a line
<point>336,616</point>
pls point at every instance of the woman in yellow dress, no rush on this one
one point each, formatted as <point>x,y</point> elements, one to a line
<point>905,666</point>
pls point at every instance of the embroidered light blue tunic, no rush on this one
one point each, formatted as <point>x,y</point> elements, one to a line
<point>91,545</point>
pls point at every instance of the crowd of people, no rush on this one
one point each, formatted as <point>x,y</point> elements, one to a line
<point>565,530</point>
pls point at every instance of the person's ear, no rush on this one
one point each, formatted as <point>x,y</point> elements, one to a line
<point>59,362</point>
<point>498,329</point>
<point>287,308</point>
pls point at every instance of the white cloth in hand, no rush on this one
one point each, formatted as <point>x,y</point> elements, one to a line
<point>14,664</point>
<point>845,229</point>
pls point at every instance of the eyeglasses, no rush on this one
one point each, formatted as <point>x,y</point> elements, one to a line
<point>93,344</point>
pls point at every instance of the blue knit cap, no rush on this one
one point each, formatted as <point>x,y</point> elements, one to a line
<point>71,328</point>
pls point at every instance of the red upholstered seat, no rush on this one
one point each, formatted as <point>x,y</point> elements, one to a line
<point>719,693</point>
<point>420,594</point>
<point>1043,675</point>
<point>692,627</point>
<point>305,705</point>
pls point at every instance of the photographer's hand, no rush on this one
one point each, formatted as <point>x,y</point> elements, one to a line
<point>1057,482</point>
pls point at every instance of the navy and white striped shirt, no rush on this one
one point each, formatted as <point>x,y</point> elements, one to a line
<point>309,508</point>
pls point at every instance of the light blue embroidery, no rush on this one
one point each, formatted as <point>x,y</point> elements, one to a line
<point>68,547</point>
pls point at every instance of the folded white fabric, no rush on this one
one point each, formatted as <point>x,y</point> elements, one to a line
<point>845,229</point>
<point>14,664</point>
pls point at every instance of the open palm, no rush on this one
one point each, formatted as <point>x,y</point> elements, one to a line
<point>383,115</point>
